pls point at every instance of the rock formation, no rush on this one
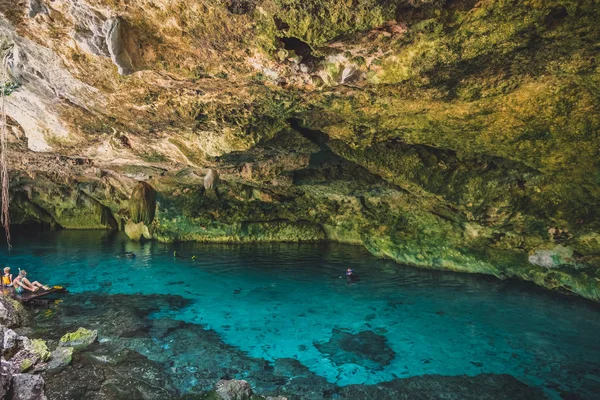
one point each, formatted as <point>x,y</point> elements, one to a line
<point>443,134</point>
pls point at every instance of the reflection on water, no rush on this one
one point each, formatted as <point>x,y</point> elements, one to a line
<point>275,301</point>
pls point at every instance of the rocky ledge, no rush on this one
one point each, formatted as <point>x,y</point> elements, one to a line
<point>456,135</point>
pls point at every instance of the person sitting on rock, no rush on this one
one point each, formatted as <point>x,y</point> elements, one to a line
<point>21,283</point>
<point>7,277</point>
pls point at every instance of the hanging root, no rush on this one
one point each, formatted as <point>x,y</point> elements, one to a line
<point>4,178</point>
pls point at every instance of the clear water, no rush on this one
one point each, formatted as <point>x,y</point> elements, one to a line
<point>278,301</point>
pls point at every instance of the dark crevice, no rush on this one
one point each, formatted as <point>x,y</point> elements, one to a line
<point>241,7</point>
<point>317,137</point>
<point>301,48</point>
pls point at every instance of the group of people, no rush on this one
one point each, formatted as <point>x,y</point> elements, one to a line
<point>21,283</point>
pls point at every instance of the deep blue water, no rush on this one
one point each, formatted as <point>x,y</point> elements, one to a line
<point>285,301</point>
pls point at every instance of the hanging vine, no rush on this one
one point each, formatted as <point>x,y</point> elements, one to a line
<point>4,178</point>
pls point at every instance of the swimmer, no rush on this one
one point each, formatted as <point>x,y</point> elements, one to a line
<point>350,277</point>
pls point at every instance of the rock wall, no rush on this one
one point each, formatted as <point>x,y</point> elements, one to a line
<point>444,134</point>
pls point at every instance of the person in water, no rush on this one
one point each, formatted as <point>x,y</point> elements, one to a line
<point>350,276</point>
<point>7,277</point>
<point>21,283</point>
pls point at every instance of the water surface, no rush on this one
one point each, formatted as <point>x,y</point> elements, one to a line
<point>276,301</point>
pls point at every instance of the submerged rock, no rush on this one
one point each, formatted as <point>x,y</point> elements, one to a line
<point>28,387</point>
<point>233,390</point>
<point>61,357</point>
<point>365,348</point>
<point>79,339</point>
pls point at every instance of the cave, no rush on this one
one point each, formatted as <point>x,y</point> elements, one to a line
<point>300,199</point>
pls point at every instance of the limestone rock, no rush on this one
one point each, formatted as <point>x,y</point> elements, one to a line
<point>5,378</point>
<point>36,7</point>
<point>79,339</point>
<point>12,312</point>
<point>115,36</point>
<point>28,387</point>
<point>10,341</point>
<point>32,352</point>
<point>61,357</point>
<point>137,231</point>
<point>560,255</point>
<point>211,180</point>
<point>233,390</point>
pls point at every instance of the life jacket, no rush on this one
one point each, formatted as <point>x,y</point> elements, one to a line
<point>6,279</point>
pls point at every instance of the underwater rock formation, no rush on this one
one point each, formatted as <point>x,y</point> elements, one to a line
<point>141,356</point>
<point>364,348</point>
<point>79,339</point>
<point>443,134</point>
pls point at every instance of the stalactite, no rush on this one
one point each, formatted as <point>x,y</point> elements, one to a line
<point>4,178</point>
<point>142,203</point>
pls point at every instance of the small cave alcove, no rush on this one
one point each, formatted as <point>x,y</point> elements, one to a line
<point>301,48</point>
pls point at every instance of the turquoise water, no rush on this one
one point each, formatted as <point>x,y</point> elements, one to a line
<point>287,301</point>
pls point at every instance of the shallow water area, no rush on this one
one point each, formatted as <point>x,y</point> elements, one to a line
<point>275,301</point>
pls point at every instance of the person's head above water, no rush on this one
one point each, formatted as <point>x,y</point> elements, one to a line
<point>349,271</point>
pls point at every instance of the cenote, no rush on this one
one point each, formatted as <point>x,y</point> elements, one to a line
<point>272,313</point>
<point>250,152</point>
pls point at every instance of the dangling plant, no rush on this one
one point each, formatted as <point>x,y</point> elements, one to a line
<point>4,178</point>
<point>142,203</point>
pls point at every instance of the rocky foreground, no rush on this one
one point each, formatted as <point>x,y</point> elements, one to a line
<point>457,135</point>
<point>113,361</point>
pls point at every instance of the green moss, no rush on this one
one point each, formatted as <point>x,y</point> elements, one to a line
<point>80,338</point>
<point>318,22</point>
<point>40,349</point>
<point>25,365</point>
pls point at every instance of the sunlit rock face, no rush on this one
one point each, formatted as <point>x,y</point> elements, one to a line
<point>456,135</point>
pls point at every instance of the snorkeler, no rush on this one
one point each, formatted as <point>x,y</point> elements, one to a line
<point>350,277</point>
<point>21,283</point>
<point>127,254</point>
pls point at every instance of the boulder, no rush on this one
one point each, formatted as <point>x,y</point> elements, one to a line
<point>9,342</point>
<point>5,379</point>
<point>79,339</point>
<point>61,357</point>
<point>12,312</point>
<point>28,387</point>
<point>31,352</point>
<point>233,390</point>
<point>137,231</point>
